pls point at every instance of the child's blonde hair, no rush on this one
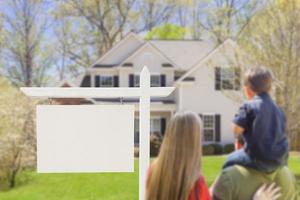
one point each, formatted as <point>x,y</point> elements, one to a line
<point>178,165</point>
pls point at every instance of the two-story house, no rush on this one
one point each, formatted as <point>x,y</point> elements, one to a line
<point>199,70</point>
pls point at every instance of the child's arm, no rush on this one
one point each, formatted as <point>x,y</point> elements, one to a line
<point>239,125</point>
<point>237,130</point>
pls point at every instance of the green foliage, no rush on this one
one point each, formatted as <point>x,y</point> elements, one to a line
<point>218,149</point>
<point>27,56</point>
<point>166,32</point>
<point>228,148</point>
<point>108,186</point>
<point>271,41</point>
<point>208,149</point>
<point>17,134</point>
<point>155,143</point>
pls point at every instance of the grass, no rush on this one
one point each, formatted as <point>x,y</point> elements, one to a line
<point>101,186</point>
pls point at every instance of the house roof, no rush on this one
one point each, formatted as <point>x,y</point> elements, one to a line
<point>185,53</point>
<point>150,45</point>
<point>117,45</point>
<point>182,54</point>
<point>72,82</point>
<point>210,53</point>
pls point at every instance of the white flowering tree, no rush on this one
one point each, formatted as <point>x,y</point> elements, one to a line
<point>17,133</point>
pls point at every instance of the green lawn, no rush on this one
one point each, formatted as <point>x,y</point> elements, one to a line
<point>100,186</point>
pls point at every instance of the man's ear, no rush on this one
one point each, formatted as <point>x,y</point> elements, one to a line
<point>249,92</point>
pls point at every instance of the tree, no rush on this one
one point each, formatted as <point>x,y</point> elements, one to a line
<point>1,33</point>
<point>27,56</point>
<point>166,31</point>
<point>17,131</point>
<point>87,29</point>
<point>272,39</point>
<point>223,19</point>
<point>152,13</point>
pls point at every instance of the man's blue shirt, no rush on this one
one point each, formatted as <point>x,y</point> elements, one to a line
<point>264,123</point>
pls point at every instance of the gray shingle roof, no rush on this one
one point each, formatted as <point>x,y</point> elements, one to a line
<point>185,53</point>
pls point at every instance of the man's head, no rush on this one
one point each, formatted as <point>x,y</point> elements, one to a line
<point>257,80</point>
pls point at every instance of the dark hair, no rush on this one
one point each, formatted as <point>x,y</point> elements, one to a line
<point>259,79</point>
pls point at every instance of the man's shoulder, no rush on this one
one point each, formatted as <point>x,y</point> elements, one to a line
<point>245,172</point>
<point>240,173</point>
<point>232,180</point>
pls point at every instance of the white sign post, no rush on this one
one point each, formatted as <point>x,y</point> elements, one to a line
<point>144,92</point>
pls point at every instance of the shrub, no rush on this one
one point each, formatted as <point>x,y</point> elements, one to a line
<point>218,149</point>
<point>155,143</point>
<point>228,148</point>
<point>17,130</point>
<point>208,149</point>
<point>136,152</point>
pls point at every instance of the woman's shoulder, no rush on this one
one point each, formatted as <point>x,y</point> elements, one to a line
<point>204,192</point>
<point>200,189</point>
<point>201,181</point>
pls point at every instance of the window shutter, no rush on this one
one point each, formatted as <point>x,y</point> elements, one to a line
<point>131,80</point>
<point>218,78</point>
<point>97,81</point>
<point>163,125</point>
<point>116,81</point>
<point>201,116</point>
<point>163,80</point>
<point>237,81</point>
<point>217,128</point>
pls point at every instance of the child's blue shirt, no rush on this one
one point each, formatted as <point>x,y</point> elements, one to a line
<point>264,123</point>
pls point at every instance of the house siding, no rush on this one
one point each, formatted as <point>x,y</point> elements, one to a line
<point>201,97</point>
<point>197,92</point>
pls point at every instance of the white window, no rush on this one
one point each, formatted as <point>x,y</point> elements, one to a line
<point>155,127</point>
<point>106,81</point>
<point>209,127</point>
<point>155,81</point>
<point>228,78</point>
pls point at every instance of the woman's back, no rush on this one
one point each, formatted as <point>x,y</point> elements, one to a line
<point>177,168</point>
<point>199,190</point>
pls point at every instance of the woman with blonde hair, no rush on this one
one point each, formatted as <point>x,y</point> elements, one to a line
<point>175,174</point>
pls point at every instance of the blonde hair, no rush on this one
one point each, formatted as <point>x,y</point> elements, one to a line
<point>177,167</point>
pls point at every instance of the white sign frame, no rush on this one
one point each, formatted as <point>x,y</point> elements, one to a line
<point>144,92</point>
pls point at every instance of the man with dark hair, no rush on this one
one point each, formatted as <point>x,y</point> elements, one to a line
<point>262,124</point>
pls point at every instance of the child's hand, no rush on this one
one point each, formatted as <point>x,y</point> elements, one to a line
<point>237,130</point>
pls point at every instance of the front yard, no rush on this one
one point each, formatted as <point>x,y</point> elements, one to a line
<point>108,186</point>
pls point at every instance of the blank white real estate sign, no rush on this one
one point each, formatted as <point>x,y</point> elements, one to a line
<point>85,138</point>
